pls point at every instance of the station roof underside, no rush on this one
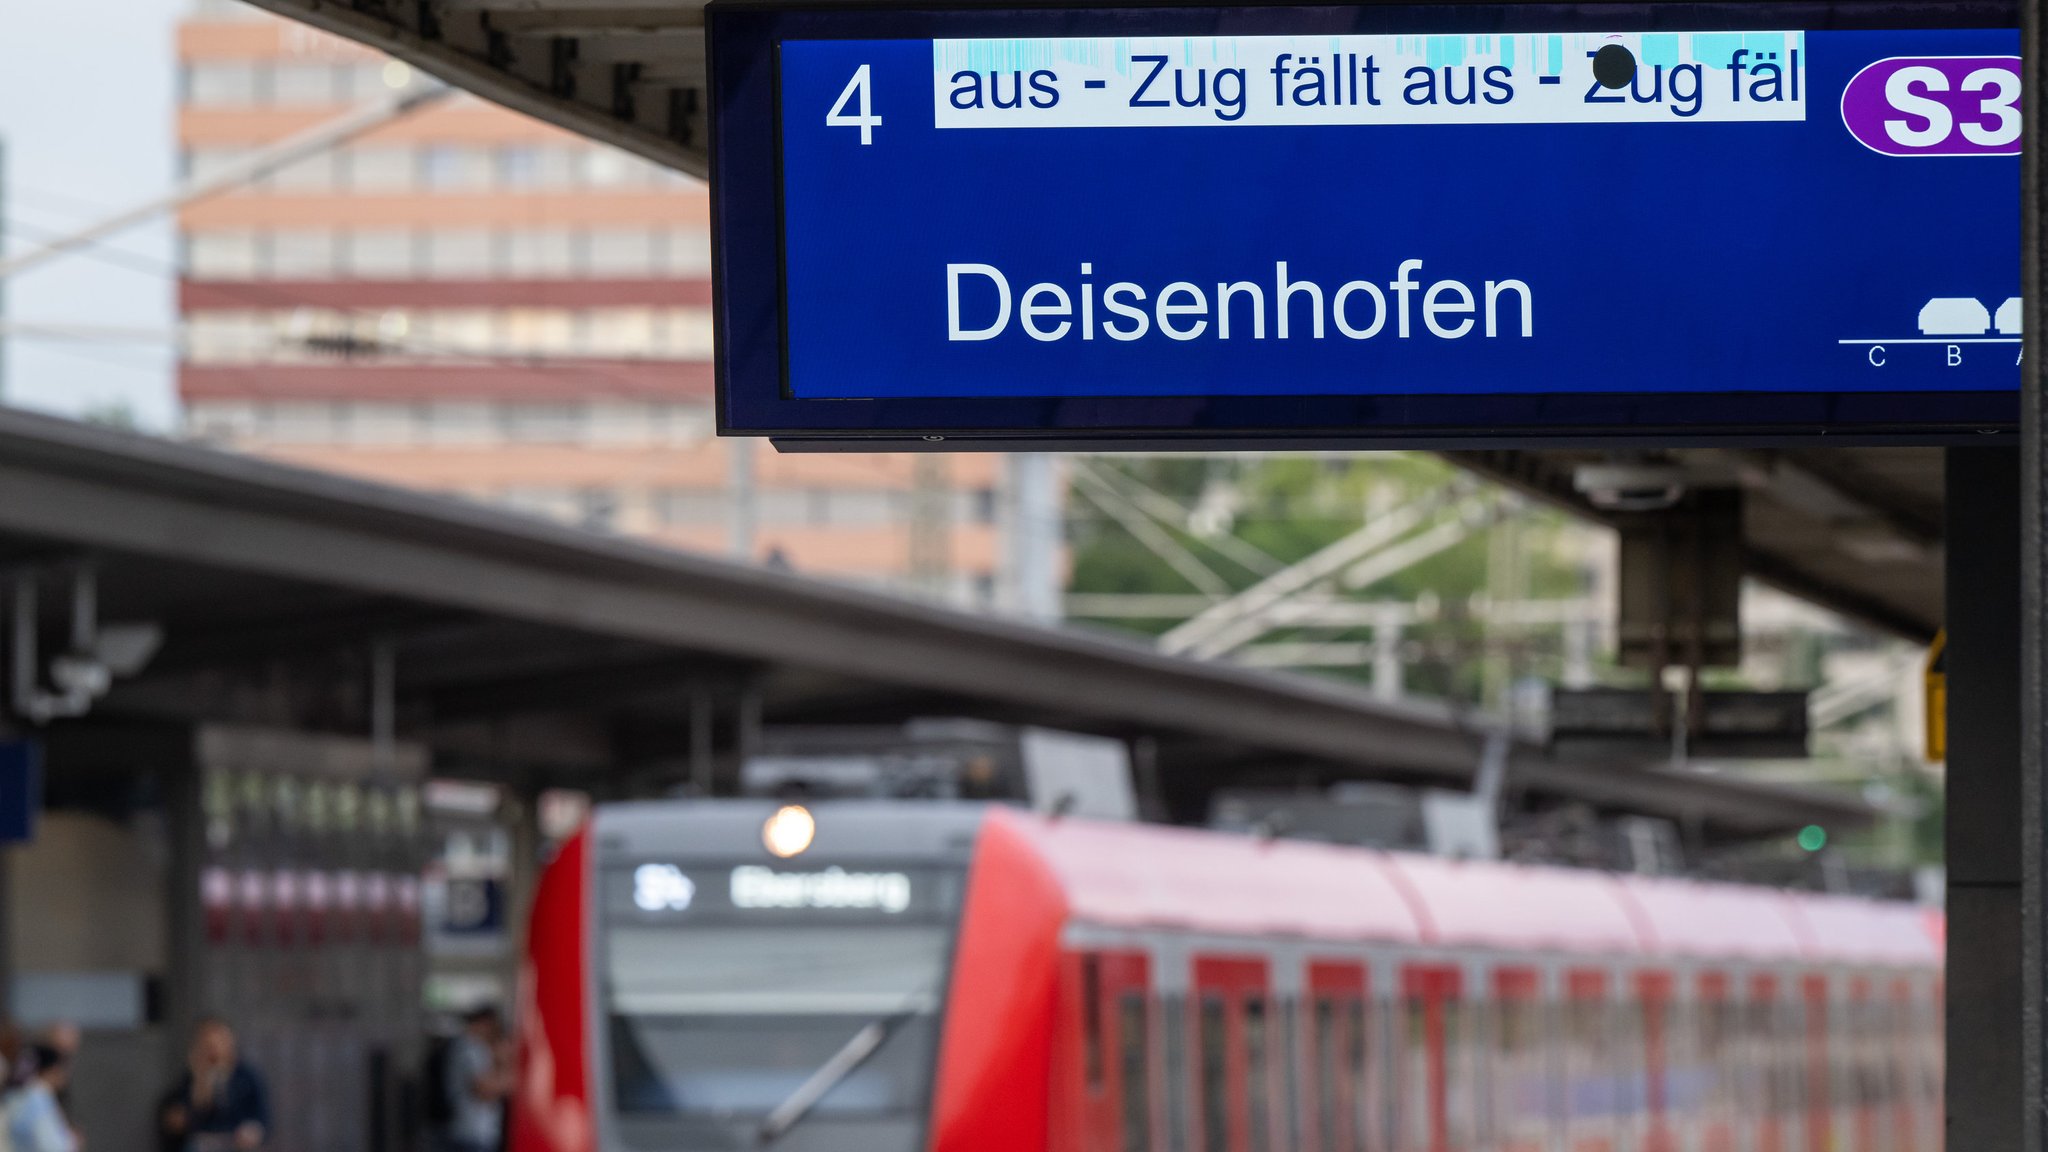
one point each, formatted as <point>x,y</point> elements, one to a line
<point>565,656</point>
<point>1855,530</point>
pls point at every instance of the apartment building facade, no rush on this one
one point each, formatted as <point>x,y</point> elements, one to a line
<point>466,300</point>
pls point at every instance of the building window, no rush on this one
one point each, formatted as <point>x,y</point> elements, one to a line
<point>380,254</point>
<point>553,503</point>
<point>367,80</point>
<point>519,166</point>
<point>304,422</point>
<point>227,337</point>
<point>226,83</point>
<point>621,252</point>
<point>455,168</point>
<point>459,422</point>
<point>462,254</point>
<point>544,423</point>
<point>223,255</point>
<point>221,422</point>
<point>685,334</point>
<point>374,168</point>
<point>471,331</point>
<point>319,172</point>
<point>297,255</point>
<point>540,254</point>
<point>308,83</point>
<point>382,424</point>
<point>607,167</point>
<point>686,254</point>
<point>538,331</point>
<point>854,508</point>
<point>786,506</point>
<point>621,332</point>
<point>682,423</point>
<point>678,507</point>
<point>207,163</point>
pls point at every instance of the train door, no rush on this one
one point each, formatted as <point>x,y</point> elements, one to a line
<point>1821,1046</point>
<point>1663,1049</point>
<point>1592,1072</point>
<point>1523,1114</point>
<point>1111,1075</point>
<point>1341,1093</point>
<point>1234,1057</point>
<point>1438,1103</point>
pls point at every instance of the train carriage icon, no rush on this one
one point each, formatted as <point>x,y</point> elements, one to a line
<point>1967,316</point>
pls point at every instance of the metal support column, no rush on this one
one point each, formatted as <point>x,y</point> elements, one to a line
<point>1985,867</point>
<point>2029,1097</point>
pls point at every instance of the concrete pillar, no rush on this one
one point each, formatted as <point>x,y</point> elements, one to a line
<point>1987,871</point>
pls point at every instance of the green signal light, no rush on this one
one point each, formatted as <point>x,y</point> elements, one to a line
<point>1813,837</point>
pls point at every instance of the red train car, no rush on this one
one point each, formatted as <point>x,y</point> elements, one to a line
<point>897,977</point>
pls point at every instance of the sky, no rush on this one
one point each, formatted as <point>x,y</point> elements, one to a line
<point>87,108</point>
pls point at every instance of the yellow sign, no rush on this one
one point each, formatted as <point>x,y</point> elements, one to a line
<point>1935,698</point>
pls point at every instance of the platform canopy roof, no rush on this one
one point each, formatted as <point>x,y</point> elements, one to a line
<point>1855,530</point>
<point>573,655</point>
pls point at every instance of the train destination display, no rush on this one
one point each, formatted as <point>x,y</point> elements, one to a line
<point>1364,222</point>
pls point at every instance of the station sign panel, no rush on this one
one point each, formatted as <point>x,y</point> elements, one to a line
<point>1444,225</point>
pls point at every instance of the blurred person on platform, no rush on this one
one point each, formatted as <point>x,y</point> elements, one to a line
<point>35,1118</point>
<point>479,1078</point>
<point>219,1103</point>
<point>66,1037</point>
<point>14,1055</point>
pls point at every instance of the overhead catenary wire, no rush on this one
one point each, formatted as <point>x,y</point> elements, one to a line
<point>319,138</point>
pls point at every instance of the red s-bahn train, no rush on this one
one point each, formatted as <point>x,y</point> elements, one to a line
<point>903,977</point>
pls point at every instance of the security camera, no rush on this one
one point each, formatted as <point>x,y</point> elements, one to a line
<point>1638,487</point>
<point>126,648</point>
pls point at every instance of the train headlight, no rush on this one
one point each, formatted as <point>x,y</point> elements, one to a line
<point>789,831</point>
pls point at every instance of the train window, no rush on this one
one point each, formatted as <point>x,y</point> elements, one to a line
<point>1134,1034</point>
<point>1359,1074</point>
<point>1461,1073</point>
<point>1630,1067</point>
<point>1764,1048</point>
<point>1717,1038</point>
<point>1589,1064</point>
<point>1795,1063</point>
<point>1091,1020</point>
<point>724,1021</point>
<point>1328,1047</point>
<point>1258,1072</point>
<point>1415,1074</point>
<point>1215,1076</point>
<point>1177,1074</point>
<point>1290,1063</point>
<point>1519,1075</point>
<point>1792,1062</point>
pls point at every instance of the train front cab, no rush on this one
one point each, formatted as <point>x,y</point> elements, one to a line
<point>684,984</point>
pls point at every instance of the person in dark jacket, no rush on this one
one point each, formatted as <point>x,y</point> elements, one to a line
<point>219,1104</point>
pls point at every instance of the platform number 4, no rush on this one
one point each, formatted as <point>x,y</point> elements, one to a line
<point>862,115</point>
